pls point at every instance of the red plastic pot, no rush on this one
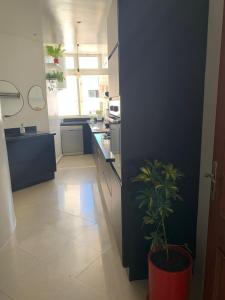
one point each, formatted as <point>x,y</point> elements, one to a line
<point>164,285</point>
<point>56,61</point>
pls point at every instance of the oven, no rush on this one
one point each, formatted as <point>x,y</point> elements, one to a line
<point>115,132</point>
<point>114,108</point>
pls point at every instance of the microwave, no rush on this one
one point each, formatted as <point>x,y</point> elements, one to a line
<point>114,108</point>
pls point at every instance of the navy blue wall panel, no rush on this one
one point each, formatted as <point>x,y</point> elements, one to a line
<point>162,67</point>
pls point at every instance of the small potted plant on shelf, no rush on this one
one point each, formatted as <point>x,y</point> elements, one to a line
<point>55,52</point>
<point>170,266</point>
<point>55,78</point>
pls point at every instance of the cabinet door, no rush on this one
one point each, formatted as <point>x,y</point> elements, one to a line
<point>72,140</point>
<point>94,150</point>
<point>87,134</point>
<point>112,27</point>
<point>116,211</point>
<point>108,187</point>
<point>114,74</point>
<point>31,160</point>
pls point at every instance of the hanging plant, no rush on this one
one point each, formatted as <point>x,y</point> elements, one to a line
<point>54,77</point>
<point>55,52</point>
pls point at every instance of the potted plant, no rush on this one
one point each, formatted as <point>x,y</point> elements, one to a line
<point>55,75</point>
<point>55,52</point>
<point>55,78</point>
<point>170,266</point>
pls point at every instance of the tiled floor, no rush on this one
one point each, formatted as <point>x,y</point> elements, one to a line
<point>63,248</point>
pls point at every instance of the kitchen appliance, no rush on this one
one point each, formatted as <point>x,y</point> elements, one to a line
<point>114,124</point>
<point>115,137</point>
<point>114,108</point>
<point>72,139</point>
<point>115,131</point>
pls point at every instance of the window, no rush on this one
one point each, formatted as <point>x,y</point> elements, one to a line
<point>69,62</point>
<point>89,104</point>
<point>84,93</point>
<point>68,104</point>
<point>88,62</point>
<point>105,62</point>
<point>93,94</point>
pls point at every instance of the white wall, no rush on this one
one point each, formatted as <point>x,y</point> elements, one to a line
<point>22,63</point>
<point>21,56</point>
<point>54,121</point>
<point>210,101</point>
<point>7,217</point>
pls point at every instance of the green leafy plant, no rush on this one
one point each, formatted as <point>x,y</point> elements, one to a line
<point>55,75</point>
<point>156,197</point>
<point>55,52</point>
<point>52,77</point>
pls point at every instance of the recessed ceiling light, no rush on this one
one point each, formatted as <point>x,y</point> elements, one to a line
<point>79,22</point>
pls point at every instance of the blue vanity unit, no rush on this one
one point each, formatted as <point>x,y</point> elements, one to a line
<point>31,157</point>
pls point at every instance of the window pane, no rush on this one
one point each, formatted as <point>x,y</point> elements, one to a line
<point>69,61</point>
<point>90,62</point>
<point>68,98</point>
<point>90,104</point>
<point>105,63</point>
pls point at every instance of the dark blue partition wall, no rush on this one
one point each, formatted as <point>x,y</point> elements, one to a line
<point>162,66</point>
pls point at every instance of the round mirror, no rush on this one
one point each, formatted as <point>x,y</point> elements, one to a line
<point>36,98</point>
<point>11,99</point>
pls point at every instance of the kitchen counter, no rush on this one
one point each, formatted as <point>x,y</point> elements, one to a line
<point>16,137</point>
<point>98,127</point>
<point>97,130</point>
<point>88,130</point>
<point>31,158</point>
<point>71,123</point>
<point>95,127</point>
<point>117,165</point>
<point>105,147</point>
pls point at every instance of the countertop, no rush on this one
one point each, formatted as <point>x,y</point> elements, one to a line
<point>105,147</point>
<point>26,136</point>
<point>98,130</point>
<point>71,123</point>
<point>98,127</point>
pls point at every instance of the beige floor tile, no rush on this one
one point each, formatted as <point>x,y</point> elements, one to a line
<point>37,288</point>
<point>77,199</point>
<point>72,192</point>
<point>70,226</point>
<point>66,225</point>
<point>108,276</point>
<point>73,260</point>
<point>63,246</point>
<point>95,237</point>
<point>4,296</point>
<point>45,244</point>
<point>24,278</point>
<point>15,264</point>
<point>78,161</point>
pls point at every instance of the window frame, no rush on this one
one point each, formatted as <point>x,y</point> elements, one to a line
<point>84,72</point>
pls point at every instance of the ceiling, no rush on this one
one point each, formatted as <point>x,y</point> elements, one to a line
<point>60,17</point>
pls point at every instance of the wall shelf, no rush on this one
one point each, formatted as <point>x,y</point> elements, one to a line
<point>9,95</point>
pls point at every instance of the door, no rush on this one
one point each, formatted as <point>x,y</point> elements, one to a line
<point>215,261</point>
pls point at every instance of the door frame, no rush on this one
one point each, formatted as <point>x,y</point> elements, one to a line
<point>215,22</point>
<point>218,155</point>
